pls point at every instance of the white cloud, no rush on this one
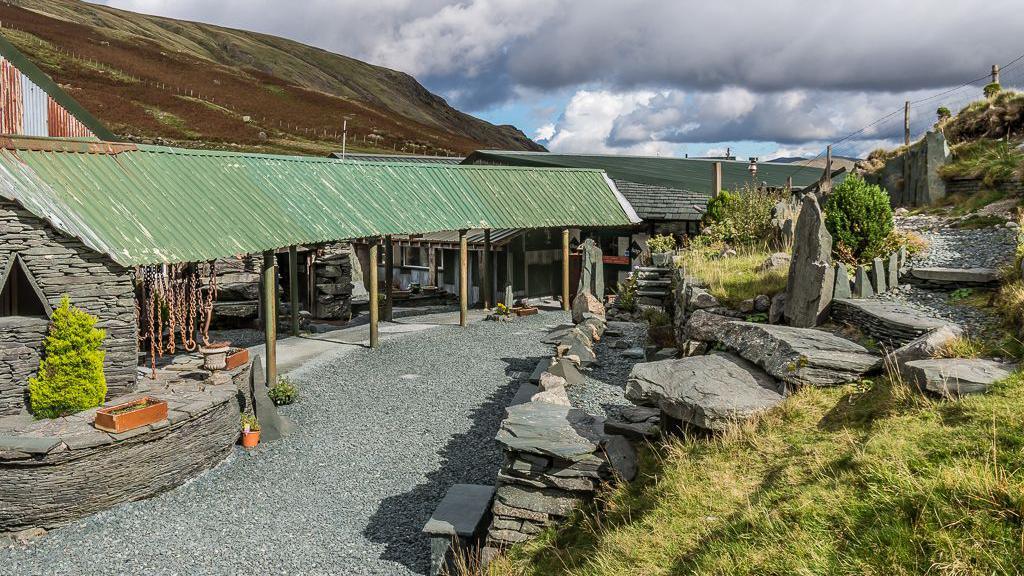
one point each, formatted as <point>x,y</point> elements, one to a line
<point>545,132</point>
<point>587,122</point>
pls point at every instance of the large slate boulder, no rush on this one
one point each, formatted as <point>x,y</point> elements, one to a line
<point>802,356</point>
<point>811,276</point>
<point>586,303</point>
<point>924,347</point>
<point>711,392</point>
<point>954,377</point>
<point>705,326</point>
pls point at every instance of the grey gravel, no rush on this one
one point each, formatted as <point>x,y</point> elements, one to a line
<point>952,247</point>
<point>604,387</point>
<point>937,304</point>
<point>379,438</point>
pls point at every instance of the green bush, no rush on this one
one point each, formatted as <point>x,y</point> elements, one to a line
<point>859,217</point>
<point>71,372</point>
<point>741,218</point>
<point>992,89</point>
<point>284,392</point>
<point>943,113</point>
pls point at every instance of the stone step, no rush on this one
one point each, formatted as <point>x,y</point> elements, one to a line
<point>651,283</point>
<point>654,270</point>
<point>955,276</point>
<point>954,377</point>
<point>653,293</point>
<point>888,322</point>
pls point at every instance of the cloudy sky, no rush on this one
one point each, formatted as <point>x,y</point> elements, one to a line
<point>661,76</point>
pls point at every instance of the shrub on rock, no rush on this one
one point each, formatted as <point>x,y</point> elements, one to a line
<point>71,375</point>
<point>859,217</point>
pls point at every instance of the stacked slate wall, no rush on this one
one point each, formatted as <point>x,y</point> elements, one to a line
<point>912,178</point>
<point>63,265</point>
<point>333,272</point>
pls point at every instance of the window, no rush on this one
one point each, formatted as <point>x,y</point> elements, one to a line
<point>19,295</point>
<point>419,257</point>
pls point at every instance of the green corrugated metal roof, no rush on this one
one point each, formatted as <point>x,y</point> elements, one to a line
<point>43,80</point>
<point>152,204</point>
<point>693,174</point>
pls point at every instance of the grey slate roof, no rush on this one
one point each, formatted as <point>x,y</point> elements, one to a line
<point>661,203</point>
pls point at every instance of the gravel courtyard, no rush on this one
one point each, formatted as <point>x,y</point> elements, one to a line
<point>380,436</point>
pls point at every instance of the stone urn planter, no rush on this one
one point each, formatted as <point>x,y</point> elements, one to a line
<point>130,415</point>
<point>662,259</point>
<point>215,356</point>
<point>236,358</point>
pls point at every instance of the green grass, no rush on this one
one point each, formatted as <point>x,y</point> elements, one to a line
<point>994,161</point>
<point>868,479</point>
<point>733,279</point>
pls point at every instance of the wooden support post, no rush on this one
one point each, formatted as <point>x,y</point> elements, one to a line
<point>270,314</point>
<point>374,297</point>
<point>565,269</point>
<point>526,269</point>
<point>486,272</point>
<point>826,186</point>
<point>293,286</point>
<point>389,278</point>
<point>432,263</point>
<point>906,123</point>
<point>716,179</point>
<point>463,278</point>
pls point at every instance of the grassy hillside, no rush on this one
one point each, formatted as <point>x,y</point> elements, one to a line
<point>194,84</point>
<point>874,479</point>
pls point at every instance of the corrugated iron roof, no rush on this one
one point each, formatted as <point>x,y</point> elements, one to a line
<point>154,204</point>
<point>690,174</point>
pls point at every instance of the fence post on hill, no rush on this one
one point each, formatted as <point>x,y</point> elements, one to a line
<point>995,73</point>
<point>716,179</point>
<point>826,184</point>
<point>906,123</point>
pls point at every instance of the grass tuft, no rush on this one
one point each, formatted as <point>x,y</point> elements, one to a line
<point>733,279</point>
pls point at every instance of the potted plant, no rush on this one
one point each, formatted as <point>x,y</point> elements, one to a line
<point>215,355</point>
<point>236,358</point>
<point>662,249</point>
<point>250,431</point>
<point>130,415</point>
<point>284,392</point>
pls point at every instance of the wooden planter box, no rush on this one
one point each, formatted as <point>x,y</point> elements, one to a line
<point>121,418</point>
<point>237,357</point>
<point>525,311</point>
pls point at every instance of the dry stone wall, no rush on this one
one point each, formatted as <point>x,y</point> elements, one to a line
<point>63,265</point>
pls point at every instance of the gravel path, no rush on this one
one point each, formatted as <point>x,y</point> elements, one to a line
<point>604,385</point>
<point>957,248</point>
<point>380,436</point>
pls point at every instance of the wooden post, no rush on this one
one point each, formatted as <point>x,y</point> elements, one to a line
<point>716,179</point>
<point>270,314</point>
<point>485,285</point>
<point>526,269</point>
<point>995,73</point>
<point>432,263</point>
<point>826,187</point>
<point>906,123</point>
<point>463,278</point>
<point>374,297</point>
<point>789,183</point>
<point>389,278</point>
<point>293,286</point>
<point>565,269</point>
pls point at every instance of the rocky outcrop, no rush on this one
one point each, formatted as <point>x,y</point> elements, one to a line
<point>811,279</point>
<point>954,377</point>
<point>802,356</point>
<point>711,392</point>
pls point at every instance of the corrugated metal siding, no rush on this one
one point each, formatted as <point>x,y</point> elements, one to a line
<point>28,110</point>
<point>36,109</point>
<point>150,204</point>
<point>10,98</point>
<point>63,125</point>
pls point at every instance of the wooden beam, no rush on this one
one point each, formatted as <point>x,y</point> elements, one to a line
<point>389,278</point>
<point>270,314</point>
<point>293,286</point>
<point>485,286</point>
<point>374,296</point>
<point>463,278</point>
<point>565,269</point>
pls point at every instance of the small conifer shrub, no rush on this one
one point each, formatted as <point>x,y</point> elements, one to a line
<point>70,375</point>
<point>859,217</point>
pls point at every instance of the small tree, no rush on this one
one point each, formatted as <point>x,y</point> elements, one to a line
<point>71,375</point>
<point>859,217</point>
<point>943,113</point>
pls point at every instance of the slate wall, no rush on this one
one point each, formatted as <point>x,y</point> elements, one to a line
<point>63,265</point>
<point>912,178</point>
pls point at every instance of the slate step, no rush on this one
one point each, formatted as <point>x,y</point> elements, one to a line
<point>887,322</point>
<point>955,276</point>
<point>646,283</point>
<point>954,377</point>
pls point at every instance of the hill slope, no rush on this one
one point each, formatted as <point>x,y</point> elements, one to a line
<point>194,84</point>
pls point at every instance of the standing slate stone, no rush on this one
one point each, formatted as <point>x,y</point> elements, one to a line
<point>273,426</point>
<point>892,275</point>
<point>592,270</point>
<point>862,286</point>
<point>842,289</point>
<point>902,257</point>
<point>811,276</point>
<point>878,275</point>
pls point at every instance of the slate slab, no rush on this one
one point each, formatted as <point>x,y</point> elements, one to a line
<point>963,276</point>
<point>954,377</point>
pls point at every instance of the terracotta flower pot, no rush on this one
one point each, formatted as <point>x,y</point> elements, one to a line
<point>130,415</point>
<point>236,358</point>
<point>250,439</point>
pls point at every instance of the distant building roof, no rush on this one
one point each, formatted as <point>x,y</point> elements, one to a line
<point>363,157</point>
<point>40,106</point>
<point>153,204</point>
<point>659,188</point>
